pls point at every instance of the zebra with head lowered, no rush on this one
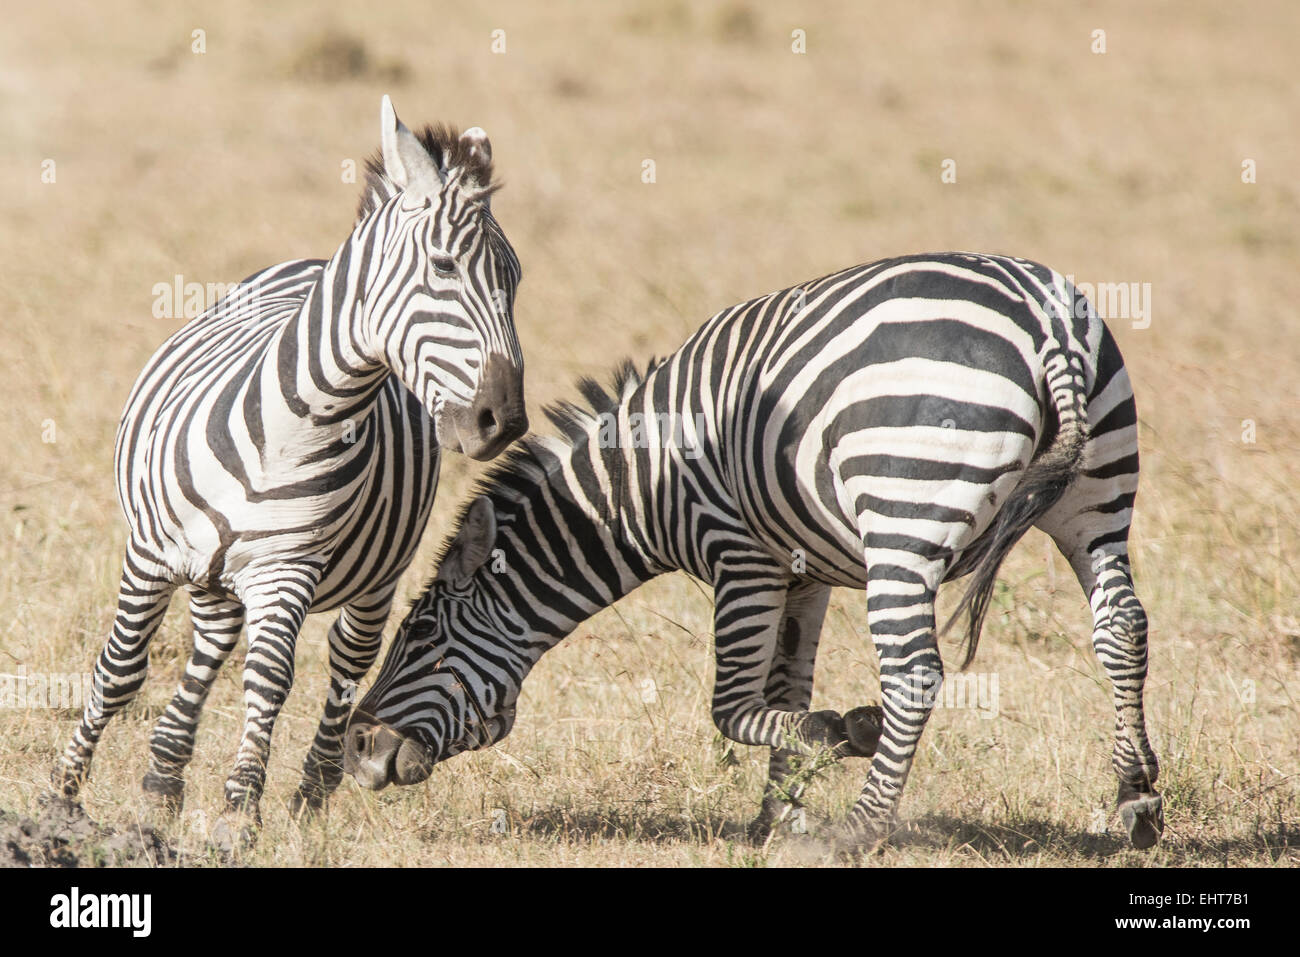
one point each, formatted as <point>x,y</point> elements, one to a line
<point>888,427</point>
<point>279,455</point>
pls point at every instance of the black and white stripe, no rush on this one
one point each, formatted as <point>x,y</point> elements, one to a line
<point>889,427</point>
<point>279,455</point>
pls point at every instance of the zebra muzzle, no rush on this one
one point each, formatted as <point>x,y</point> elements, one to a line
<point>377,756</point>
<point>496,417</point>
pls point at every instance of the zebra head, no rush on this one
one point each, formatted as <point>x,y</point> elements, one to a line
<point>451,678</point>
<point>440,279</point>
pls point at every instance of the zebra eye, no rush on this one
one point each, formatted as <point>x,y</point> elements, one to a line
<point>444,265</point>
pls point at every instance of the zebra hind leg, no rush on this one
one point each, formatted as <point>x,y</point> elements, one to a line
<point>217,624</point>
<point>143,595</point>
<point>1090,526</point>
<point>1119,639</point>
<point>354,644</point>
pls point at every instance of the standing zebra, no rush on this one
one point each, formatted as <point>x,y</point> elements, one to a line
<point>888,427</point>
<point>279,455</point>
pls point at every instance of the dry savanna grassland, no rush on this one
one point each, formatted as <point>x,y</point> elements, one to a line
<point>1163,152</point>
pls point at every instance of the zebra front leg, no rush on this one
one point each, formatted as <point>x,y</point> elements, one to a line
<point>275,608</point>
<point>900,615</point>
<point>143,595</point>
<point>789,688</point>
<point>750,601</point>
<point>217,624</point>
<point>354,643</point>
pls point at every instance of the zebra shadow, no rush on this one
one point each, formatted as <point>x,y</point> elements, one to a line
<point>635,823</point>
<point>1022,841</point>
<point>1028,839</point>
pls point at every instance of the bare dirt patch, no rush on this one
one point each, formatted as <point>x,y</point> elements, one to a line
<point>62,835</point>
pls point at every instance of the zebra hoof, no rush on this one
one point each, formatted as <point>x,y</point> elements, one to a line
<point>759,829</point>
<point>791,819</point>
<point>67,780</point>
<point>164,795</point>
<point>234,834</point>
<point>307,802</point>
<point>851,844</point>
<point>863,726</point>
<point>824,729</point>
<point>54,798</point>
<point>1143,817</point>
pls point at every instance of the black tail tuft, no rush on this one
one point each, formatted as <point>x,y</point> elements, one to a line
<point>1041,487</point>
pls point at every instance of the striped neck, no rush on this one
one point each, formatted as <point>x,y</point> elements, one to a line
<point>561,528</point>
<point>569,540</point>
<point>319,375</point>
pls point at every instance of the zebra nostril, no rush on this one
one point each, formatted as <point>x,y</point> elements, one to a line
<point>357,741</point>
<point>487,422</point>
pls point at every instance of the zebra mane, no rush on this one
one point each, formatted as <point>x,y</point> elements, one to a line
<point>448,151</point>
<point>573,420</point>
<point>534,456</point>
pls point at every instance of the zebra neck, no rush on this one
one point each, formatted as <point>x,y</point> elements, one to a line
<point>565,547</point>
<point>319,379</point>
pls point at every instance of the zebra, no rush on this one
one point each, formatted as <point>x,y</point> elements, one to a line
<point>890,427</point>
<point>279,456</point>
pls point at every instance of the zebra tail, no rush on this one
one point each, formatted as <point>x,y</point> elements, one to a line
<point>1041,486</point>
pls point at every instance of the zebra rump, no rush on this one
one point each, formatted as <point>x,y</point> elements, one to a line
<point>1043,484</point>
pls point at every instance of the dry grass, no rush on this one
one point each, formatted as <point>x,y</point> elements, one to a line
<point>771,168</point>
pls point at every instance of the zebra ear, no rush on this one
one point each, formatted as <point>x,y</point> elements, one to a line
<point>478,159</point>
<point>473,545</point>
<point>407,163</point>
<point>480,147</point>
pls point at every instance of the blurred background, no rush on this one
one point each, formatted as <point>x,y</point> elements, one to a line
<point>1151,144</point>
